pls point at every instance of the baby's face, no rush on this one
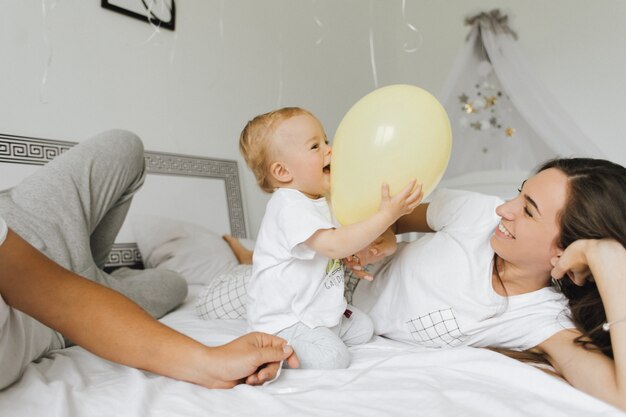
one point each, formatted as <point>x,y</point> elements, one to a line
<point>300,144</point>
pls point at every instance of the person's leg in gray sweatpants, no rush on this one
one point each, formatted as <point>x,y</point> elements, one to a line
<point>73,207</point>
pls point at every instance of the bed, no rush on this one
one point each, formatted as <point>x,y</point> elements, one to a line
<point>386,378</point>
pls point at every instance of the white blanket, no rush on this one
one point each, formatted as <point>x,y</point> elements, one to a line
<point>385,379</point>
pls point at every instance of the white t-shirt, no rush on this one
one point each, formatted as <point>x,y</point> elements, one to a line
<point>290,282</point>
<point>437,291</point>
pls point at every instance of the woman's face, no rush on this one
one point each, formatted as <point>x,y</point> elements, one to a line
<point>528,231</point>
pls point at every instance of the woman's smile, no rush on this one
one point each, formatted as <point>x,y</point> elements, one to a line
<point>503,231</point>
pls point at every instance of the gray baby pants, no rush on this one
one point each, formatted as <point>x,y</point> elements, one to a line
<point>327,348</point>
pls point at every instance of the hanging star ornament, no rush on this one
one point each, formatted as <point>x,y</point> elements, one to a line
<point>485,106</point>
<point>468,108</point>
<point>490,101</point>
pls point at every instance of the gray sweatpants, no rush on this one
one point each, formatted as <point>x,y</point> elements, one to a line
<point>71,210</point>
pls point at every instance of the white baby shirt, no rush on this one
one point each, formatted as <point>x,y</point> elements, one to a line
<point>290,282</point>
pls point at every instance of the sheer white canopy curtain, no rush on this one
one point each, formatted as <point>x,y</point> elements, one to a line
<point>502,117</point>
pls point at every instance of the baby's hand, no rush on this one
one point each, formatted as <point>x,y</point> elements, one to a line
<point>402,203</point>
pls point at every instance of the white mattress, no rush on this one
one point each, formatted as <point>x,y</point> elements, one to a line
<point>386,378</point>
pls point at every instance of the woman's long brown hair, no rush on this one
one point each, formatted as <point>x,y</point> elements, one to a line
<point>595,209</point>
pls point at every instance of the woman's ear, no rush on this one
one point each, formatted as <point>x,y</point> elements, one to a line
<point>557,255</point>
<point>280,173</point>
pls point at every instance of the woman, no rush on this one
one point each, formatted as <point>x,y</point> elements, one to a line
<point>569,219</point>
<point>484,278</point>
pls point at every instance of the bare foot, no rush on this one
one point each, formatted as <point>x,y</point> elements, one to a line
<point>243,255</point>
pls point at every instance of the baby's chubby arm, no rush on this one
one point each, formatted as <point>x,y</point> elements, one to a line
<point>346,240</point>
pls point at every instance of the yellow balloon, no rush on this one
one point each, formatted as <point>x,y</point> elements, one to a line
<point>393,134</point>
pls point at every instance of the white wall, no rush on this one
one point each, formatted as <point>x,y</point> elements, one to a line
<point>192,90</point>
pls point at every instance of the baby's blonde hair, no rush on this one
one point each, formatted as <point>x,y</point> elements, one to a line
<point>254,142</point>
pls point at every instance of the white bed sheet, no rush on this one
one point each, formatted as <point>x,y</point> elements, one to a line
<point>386,378</point>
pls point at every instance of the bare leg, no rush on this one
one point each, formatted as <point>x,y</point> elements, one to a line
<point>243,255</point>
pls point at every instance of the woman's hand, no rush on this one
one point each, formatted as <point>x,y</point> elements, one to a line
<point>382,247</point>
<point>579,259</point>
<point>573,262</point>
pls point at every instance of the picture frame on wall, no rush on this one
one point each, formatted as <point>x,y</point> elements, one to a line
<point>161,13</point>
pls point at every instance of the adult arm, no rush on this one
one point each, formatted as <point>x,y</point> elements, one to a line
<point>414,221</point>
<point>111,326</point>
<point>591,371</point>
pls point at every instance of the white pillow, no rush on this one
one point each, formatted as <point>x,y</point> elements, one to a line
<point>195,252</point>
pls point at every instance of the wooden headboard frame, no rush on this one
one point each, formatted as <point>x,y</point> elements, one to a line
<point>36,151</point>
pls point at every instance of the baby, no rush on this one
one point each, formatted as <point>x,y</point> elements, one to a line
<point>297,286</point>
